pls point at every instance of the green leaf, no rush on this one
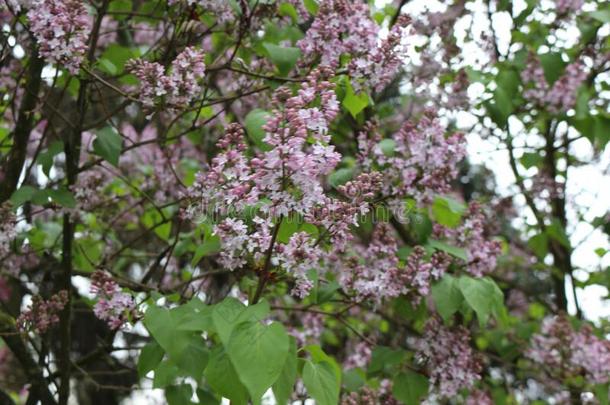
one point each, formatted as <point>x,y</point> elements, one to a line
<point>122,6</point>
<point>163,325</point>
<point>179,394</point>
<point>447,211</point>
<point>601,393</point>
<point>22,195</point>
<point>321,382</point>
<point>384,358</point>
<point>258,353</point>
<point>287,9</point>
<point>288,227</point>
<point>311,6</point>
<point>221,376</point>
<point>482,295</point>
<point>107,66</point>
<point>353,379</point>
<point>226,315</point>
<point>199,320</point>
<point>508,80</point>
<point>340,177</point>
<point>46,157</point>
<point>410,387</point>
<point>539,245</point>
<point>195,358</point>
<point>165,374</point>
<point>150,357</point>
<point>388,147</point>
<point>601,131</point>
<point>283,387</point>
<point>107,144</point>
<point>318,355</point>
<point>455,251</point>
<point>447,296</point>
<point>354,103</point>
<point>207,398</point>
<point>555,231</point>
<point>210,246</point>
<point>553,66</point>
<point>118,55</point>
<point>530,159</point>
<point>230,312</point>
<point>283,57</point>
<point>254,122</point>
<point>601,15</point>
<point>62,197</point>
<point>504,105</point>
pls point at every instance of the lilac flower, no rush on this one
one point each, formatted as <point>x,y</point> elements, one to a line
<point>452,363</point>
<point>564,352</point>
<point>380,64</point>
<point>374,271</point>
<point>234,235</point>
<point>176,89</point>
<point>297,257</point>
<point>562,95</point>
<point>313,326</point>
<point>566,6</point>
<point>346,27</point>
<point>113,305</point>
<point>359,356</point>
<point>42,314</point>
<point>61,29</point>
<point>471,235</point>
<point>478,397</point>
<point>423,161</point>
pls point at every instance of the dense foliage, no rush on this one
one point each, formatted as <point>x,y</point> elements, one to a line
<point>256,199</point>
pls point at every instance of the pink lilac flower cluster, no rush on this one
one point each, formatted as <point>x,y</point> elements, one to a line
<point>175,89</point>
<point>452,364</point>
<point>374,271</point>
<point>42,314</point>
<point>8,229</point>
<point>562,95</point>
<point>567,6</point>
<point>346,27</point>
<point>565,353</point>
<point>478,397</point>
<point>368,395</point>
<point>482,252</point>
<point>340,27</point>
<point>299,256</point>
<point>113,305</point>
<point>289,174</point>
<point>422,163</point>
<point>312,328</point>
<point>359,356</point>
<point>61,28</point>
<point>289,177</point>
<point>379,65</point>
<point>338,215</point>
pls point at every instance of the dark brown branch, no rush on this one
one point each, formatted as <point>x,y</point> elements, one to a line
<point>15,158</point>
